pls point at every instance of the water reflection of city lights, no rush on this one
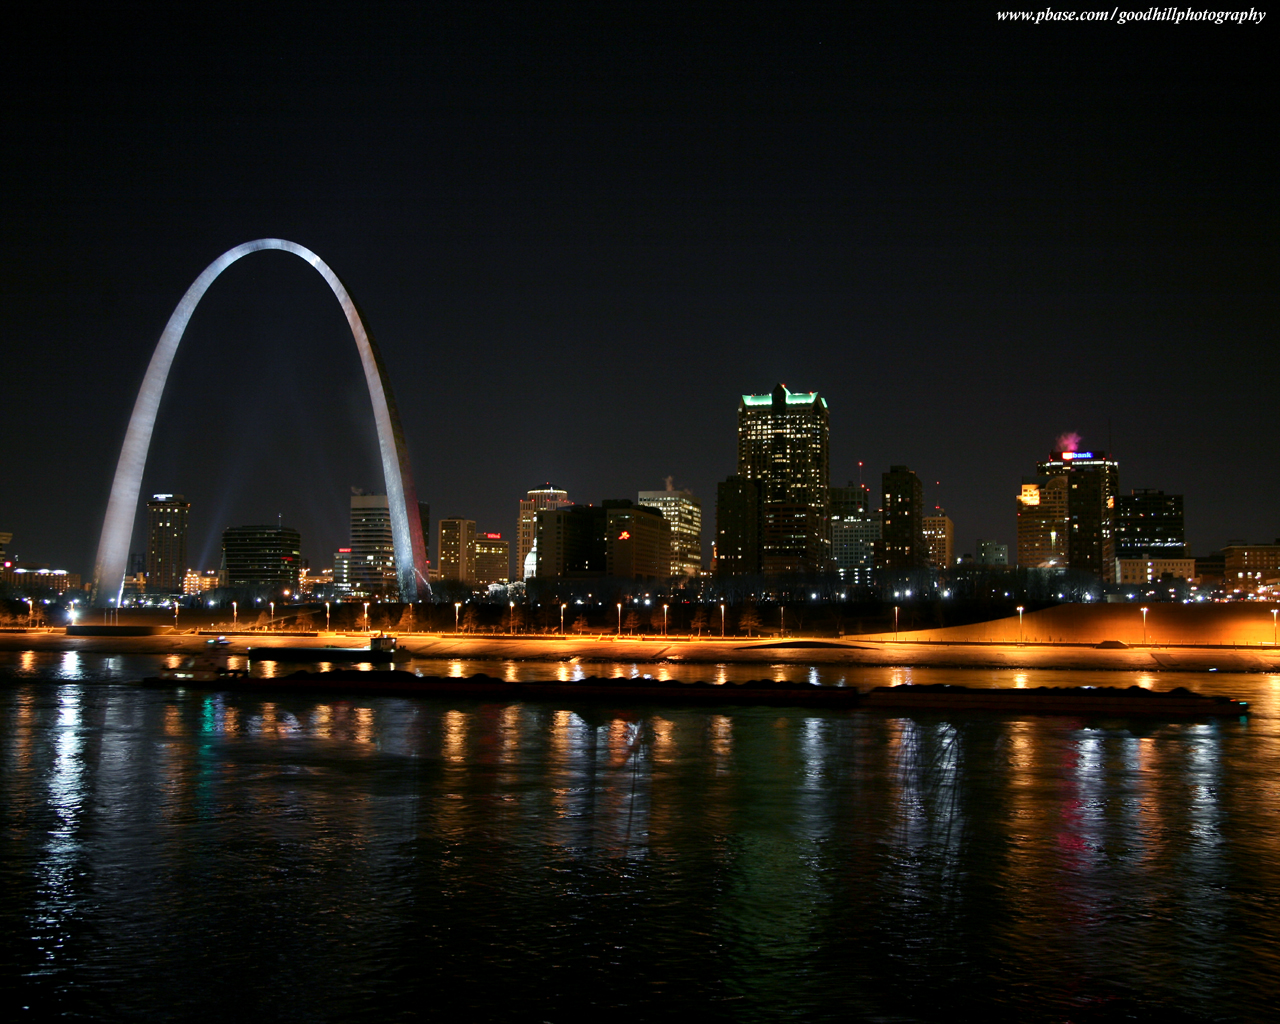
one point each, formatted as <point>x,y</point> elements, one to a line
<point>455,736</point>
<point>364,725</point>
<point>720,735</point>
<point>664,744</point>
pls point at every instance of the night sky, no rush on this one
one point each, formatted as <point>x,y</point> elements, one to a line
<point>579,233</point>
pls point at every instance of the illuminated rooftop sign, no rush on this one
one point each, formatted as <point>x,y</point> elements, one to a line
<point>799,398</point>
<point>1069,456</point>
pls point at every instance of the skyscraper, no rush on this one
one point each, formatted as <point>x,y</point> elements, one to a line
<point>262,557</point>
<point>527,524</point>
<point>1093,481</point>
<point>166,543</point>
<point>684,512</point>
<point>940,537</point>
<point>1149,524</point>
<point>1042,522</point>
<point>855,532</point>
<point>492,560</point>
<point>456,551</point>
<point>783,449</point>
<point>902,544</point>
<point>737,527</point>
<point>368,567</point>
<point>372,563</point>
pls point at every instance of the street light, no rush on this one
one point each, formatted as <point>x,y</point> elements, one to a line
<point>1144,625</point>
<point>664,620</point>
<point>270,604</point>
<point>619,618</point>
<point>1019,623</point>
<point>511,621</point>
<point>457,607</point>
<point>175,614</point>
<point>895,622</point>
<point>721,620</point>
<point>326,616</point>
<point>30,612</point>
<point>235,615</point>
<point>366,616</point>
<point>562,618</point>
<point>782,620</point>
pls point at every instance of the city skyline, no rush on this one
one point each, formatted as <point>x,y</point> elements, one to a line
<point>577,245</point>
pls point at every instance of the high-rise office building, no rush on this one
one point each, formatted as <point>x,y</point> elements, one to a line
<point>1043,525</point>
<point>571,542</point>
<point>1093,482</point>
<point>637,541</point>
<point>737,527</point>
<point>456,550</point>
<point>367,568</point>
<point>166,543</point>
<point>855,532</point>
<point>616,538</point>
<point>1149,524</point>
<point>992,552</point>
<point>371,567</point>
<point>902,542</point>
<point>783,449</point>
<point>262,557</point>
<point>527,523</point>
<point>492,559</point>
<point>940,537</point>
<point>684,512</point>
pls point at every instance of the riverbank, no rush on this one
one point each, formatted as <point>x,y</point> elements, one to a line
<point>877,651</point>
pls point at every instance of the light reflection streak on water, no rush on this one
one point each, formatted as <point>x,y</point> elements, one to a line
<point>1082,804</point>
<point>720,735</point>
<point>70,667</point>
<point>454,744</point>
<point>57,870</point>
<point>27,662</point>
<point>509,732</point>
<point>365,731</point>
<point>929,824</point>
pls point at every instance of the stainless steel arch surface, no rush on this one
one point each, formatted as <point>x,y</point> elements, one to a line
<point>117,526</point>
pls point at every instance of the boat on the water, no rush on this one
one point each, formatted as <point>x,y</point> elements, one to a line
<point>1044,700</point>
<point>381,649</point>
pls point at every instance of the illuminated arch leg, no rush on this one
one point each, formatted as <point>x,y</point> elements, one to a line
<point>117,526</point>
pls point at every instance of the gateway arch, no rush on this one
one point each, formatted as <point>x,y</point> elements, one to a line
<point>402,499</point>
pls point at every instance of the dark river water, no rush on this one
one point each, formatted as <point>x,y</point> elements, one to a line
<point>189,854</point>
